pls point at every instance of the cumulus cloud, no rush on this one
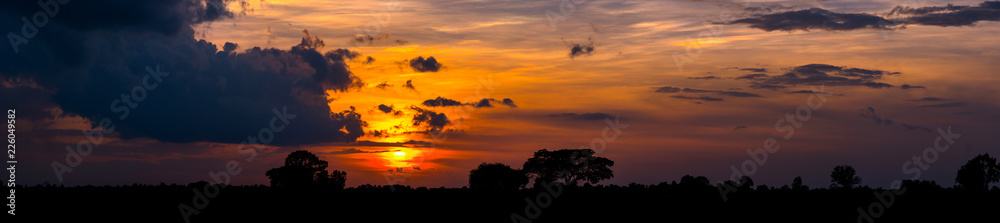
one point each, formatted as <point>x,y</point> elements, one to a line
<point>482,103</point>
<point>144,71</point>
<point>440,102</point>
<point>420,64</point>
<point>433,121</point>
<point>488,103</point>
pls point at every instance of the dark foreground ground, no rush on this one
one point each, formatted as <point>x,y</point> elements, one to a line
<point>634,203</point>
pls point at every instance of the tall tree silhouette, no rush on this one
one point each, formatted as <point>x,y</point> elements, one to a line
<point>496,177</point>
<point>568,165</point>
<point>303,169</point>
<point>978,173</point>
<point>843,177</point>
<point>797,184</point>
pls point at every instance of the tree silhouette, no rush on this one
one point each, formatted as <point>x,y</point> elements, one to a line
<point>303,169</point>
<point>978,173</point>
<point>797,184</point>
<point>568,165</point>
<point>843,177</point>
<point>496,177</point>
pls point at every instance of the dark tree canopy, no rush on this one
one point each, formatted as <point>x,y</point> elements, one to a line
<point>303,169</point>
<point>496,177</point>
<point>978,173</point>
<point>843,177</point>
<point>568,165</point>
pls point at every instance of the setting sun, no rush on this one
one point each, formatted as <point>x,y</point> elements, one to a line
<point>400,153</point>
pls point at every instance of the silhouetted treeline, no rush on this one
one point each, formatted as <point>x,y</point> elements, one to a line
<point>922,202</point>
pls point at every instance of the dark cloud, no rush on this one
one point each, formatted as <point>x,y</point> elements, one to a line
<point>692,90</point>
<point>740,127</point>
<point>945,105</point>
<point>751,76</point>
<point>488,103</point>
<point>925,99</point>
<point>96,55</point>
<point>409,85</point>
<point>353,150</point>
<point>821,19</point>
<point>667,90</point>
<point>815,19</point>
<point>577,49</point>
<point>420,64</point>
<point>440,101</point>
<point>809,92</point>
<point>368,60</point>
<point>950,15</point>
<point>383,85</point>
<point>369,39</point>
<point>869,113</point>
<point>432,120</point>
<point>705,78</point>
<point>907,86</point>
<point>758,70</point>
<point>584,116</point>
<point>766,86</point>
<point>385,108</point>
<point>696,98</point>
<point>823,74</point>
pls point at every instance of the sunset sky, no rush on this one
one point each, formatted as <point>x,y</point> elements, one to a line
<point>694,85</point>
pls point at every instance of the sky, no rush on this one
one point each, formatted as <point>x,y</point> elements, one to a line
<point>420,92</point>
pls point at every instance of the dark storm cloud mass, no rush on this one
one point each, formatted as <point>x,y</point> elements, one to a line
<point>584,116</point>
<point>135,63</point>
<point>821,19</point>
<point>420,64</point>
